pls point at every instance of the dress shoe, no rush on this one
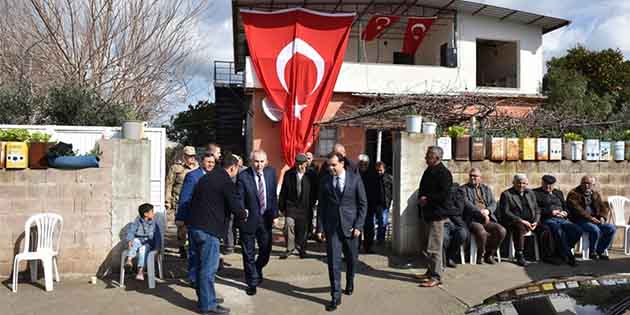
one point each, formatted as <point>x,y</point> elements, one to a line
<point>432,282</point>
<point>302,254</point>
<point>285,255</point>
<point>520,259</point>
<point>592,256</point>
<point>490,260</point>
<point>451,263</point>
<point>571,261</point>
<point>333,304</point>
<point>218,310</point>
<point>603,257</point>
<point>479,260</point>
<point>349,290</point>
<point>250,291</point>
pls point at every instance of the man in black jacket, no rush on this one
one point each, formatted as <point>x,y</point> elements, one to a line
<point>554,215</point>
<point>455,231</point>
<point>433,196</point>
<point>296,201</point>
<point>214,198</point>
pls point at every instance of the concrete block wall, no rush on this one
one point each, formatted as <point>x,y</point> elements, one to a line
<point>612,178</point>
<point>84,198</point>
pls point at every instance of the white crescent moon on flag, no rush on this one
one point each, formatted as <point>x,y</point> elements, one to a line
<point>419,25</point>
<point>387,21</point>
<point>302,47</point>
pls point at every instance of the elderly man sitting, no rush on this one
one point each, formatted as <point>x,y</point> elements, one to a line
<point>519,213</point>
<point>479,209</point>
<point>589,212</point>
<point>555,216</point>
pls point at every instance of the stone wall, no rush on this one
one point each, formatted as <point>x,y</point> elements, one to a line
<point>92,202</point>
<point>612,178</point>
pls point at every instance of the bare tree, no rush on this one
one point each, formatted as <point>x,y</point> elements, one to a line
<point>130,51</point>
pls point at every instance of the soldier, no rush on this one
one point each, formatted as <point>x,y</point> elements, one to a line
<point>175,180</point>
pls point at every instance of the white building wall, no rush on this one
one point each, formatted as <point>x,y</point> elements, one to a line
<point>388,78</point>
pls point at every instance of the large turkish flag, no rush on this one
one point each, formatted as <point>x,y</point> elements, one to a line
<point>417,29</point>
<point>297,54</point>
<point>376,25</point>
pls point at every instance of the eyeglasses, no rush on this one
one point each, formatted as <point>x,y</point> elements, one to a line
<point>472,175</point>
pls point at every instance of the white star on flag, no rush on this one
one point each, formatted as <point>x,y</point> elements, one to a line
<point>297,109</point>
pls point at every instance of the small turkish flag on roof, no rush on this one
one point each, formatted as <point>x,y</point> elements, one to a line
<point>377,25</point>
<point>417,29</point>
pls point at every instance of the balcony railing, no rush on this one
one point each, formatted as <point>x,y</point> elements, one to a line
<point>225,74</point>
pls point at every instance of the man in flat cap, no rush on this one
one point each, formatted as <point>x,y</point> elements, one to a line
<point>297,198</point>
<point>554,215</point>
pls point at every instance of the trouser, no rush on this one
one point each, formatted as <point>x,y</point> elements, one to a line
<point>182,235</point>
<point>207,249</point>
<point>193,259</point>
<point>488,237</point>
<point>565,234</point>
<point>230,239</point>
<point>336,244</point>
<point>296,231</point>
<point>434,248</point>
<point>518,231</point>
<point>600,235</point>
<point>140,249</point>
<point>254,265</point>
<point>368,229</point>
<point>454,237</point>
<point>382,220</point>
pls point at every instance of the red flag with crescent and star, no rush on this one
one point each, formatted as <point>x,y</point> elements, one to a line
<point>417,29</point>
<point>297,55</point>
<point>376,25</point>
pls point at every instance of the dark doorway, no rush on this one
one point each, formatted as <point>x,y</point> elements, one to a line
<point>371,138</point>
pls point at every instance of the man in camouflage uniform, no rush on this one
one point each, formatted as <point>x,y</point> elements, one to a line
<point>175,180</point>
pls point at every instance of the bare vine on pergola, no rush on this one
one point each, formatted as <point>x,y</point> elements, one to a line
<point>389,111</point>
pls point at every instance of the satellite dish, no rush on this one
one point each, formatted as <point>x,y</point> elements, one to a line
<point>271,110</point>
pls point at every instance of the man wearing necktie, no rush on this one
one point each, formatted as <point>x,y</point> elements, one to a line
<point>343,206</point>
<point>257,192</point>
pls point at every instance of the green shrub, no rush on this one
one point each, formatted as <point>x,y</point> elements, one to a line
<point>39,137</point>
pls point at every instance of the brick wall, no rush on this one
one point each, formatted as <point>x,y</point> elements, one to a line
<point>84,198</point>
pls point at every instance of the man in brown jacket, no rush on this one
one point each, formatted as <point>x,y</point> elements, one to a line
<point>589,212</point>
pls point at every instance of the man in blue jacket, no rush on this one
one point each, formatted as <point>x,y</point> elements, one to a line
<point>183,210</point>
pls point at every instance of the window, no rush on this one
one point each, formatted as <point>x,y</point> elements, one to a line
<point>497,64</point>
<point>327,140</point>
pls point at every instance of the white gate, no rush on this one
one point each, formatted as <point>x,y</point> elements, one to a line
<point>83,139</point>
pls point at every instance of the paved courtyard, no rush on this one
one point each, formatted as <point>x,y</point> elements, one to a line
<point>384,285</point>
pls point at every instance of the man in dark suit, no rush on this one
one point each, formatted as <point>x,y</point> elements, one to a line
<point>519,213</point>
<point>297,198</point>
<point>213,199</point>
<point>554,215</point>
<point>183,211</point>
<point>343,206</point>
<point>257,192</point>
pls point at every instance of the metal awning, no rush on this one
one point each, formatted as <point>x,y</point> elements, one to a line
<point>444,9</point>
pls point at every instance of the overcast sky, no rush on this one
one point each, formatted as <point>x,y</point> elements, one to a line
<point>596,24</point>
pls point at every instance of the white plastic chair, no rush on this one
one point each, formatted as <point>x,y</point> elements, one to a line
<point>473,252</point>
<point>529,234</point>
<point>46,248</point>
<point>584,246</point>
<point>151,257</point>
<point>617,204</point>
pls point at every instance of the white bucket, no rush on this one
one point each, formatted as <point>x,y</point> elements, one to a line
<point>429,128</point>
<point>576,150</point>
<point>619,150</point>
<point>133,129</point>
<point>414,123</point>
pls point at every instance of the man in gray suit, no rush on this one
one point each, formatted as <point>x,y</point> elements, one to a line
<point>343,206</point>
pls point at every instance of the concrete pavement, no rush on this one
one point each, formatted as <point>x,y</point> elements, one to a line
<point>384,285</point>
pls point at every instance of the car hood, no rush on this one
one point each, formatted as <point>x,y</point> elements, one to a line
<point>580,295</point>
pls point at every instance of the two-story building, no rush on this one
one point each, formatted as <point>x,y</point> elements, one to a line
<point>471,48</point>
